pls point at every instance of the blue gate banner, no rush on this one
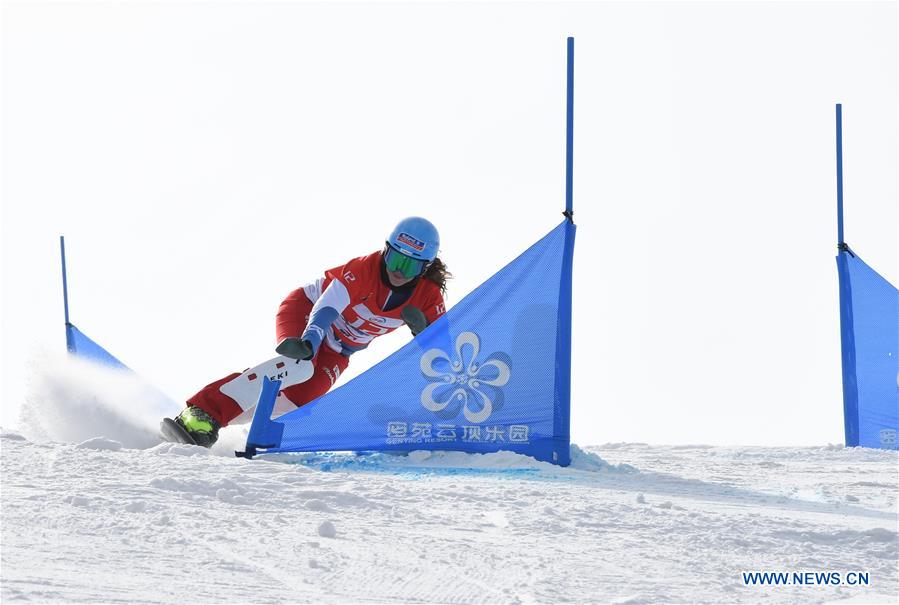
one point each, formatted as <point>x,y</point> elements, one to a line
<point>869,324</point>
<point>491,374</point>
<point>81,345</point>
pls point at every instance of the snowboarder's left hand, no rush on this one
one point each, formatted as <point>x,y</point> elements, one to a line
<point>295,348</point>
<point>414,318</point>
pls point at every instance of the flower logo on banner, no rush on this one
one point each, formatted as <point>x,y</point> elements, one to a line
<point>461,383</point>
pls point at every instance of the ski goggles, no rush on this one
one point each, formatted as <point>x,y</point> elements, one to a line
<point>395,260</point>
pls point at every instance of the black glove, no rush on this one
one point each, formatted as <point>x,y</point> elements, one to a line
<point>295,348</point>
<point>414,318</point>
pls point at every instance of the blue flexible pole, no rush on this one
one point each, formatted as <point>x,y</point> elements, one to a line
<point>840,240</point>
<point>569,129</point>
<point>847,332</point>
<point>65,283</point>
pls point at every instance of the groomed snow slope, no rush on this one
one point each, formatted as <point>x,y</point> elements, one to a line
<point>95,509</point>
<point>95,522</point>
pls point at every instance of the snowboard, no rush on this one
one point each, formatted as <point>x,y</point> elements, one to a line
<point>173,432</point>
<point>244,389</point>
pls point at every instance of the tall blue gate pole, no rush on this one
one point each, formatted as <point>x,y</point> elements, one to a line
<point>847,321</point>
<point>65,284</point>
<point>840,240</point>
<point>70,340</point>
<point>569,135</point>
<point>562,416</point>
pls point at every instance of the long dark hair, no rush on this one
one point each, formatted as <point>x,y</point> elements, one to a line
<point>438,273</point>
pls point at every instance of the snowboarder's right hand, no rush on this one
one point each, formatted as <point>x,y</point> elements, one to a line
<point>295,348</point>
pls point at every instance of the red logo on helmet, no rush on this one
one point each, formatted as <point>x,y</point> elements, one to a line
<point>415,244</point>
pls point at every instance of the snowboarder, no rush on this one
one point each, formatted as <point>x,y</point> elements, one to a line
<point>339,314</point>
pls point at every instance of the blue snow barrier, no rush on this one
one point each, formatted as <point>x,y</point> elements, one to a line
<point>263,433</point>
<point>491,374</point>
<point>869,314</point>
<point>81,345</point>
<point>869,325</point>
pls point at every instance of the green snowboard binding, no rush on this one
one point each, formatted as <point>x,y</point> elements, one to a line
<point>192,426</point>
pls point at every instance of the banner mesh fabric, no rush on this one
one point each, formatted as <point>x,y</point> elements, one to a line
<point>80,344</point>
<point>869,320</point>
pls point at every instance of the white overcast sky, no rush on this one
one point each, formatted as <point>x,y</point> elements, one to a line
<point>203,159</point>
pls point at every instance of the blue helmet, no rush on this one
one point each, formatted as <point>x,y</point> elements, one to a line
<point>416,237</point>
